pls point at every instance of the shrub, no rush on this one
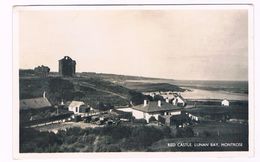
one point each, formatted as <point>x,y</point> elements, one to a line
<point>158,97</point>
<point>70,139</point>
<point>108,148</point>
<point>152,119</point>
<point>206,133</point>
<point>136,97</point>
<point>87,139</point>
<point>74,131</point>
<point>184,132</point>
<point>117,132</point>
<point>166,132</point>
<point>140,121</point>
<point>144,136</point>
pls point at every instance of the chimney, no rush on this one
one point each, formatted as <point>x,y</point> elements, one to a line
<point>159,103</point>
<point>57,107</point>
<point>145,102</point>
<point>131,103</point>
<point>44,94</point>
<point>167,100</point>
<point>174,101</point>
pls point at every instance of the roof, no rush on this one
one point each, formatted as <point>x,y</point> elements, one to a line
<point>67,59</point>
<point>76,104</point>
<point>181,98</point>
<point>152,106</point>
<point>34,103</point>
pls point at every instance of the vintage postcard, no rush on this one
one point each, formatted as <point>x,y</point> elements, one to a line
<point>131,80</point>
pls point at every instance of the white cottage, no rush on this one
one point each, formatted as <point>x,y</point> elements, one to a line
<point>225,102</point>
<point>78,107</point>
<point>153,108</point>
<point>178,100</point>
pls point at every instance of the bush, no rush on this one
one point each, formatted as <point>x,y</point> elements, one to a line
<point>136,97</point>
<point>167,132</point>
<point>35,141</point>
<point>70,139</point>
<point>158,97</point>
<point>206,133</point>
<point>184,132</point>
<point>140,121</point>
<point>101,139</point>
<point>144,136</point>
<point>152,119</point>
<point>108,148</point>
<point>117,132</point>
<point>89,139</point>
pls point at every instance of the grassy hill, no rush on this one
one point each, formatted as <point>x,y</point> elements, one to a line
<point>93,91</point>
<point>116,77</point>
<point>93,88</point>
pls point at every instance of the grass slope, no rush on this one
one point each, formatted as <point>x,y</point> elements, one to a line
<point>151,87</point>
<point>91,90</point>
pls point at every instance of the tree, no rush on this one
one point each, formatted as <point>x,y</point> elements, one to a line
<point>136,97</point>
<point>158,97</point>
<point>152,119</point>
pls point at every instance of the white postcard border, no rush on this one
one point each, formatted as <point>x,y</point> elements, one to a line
<point>18,155</point>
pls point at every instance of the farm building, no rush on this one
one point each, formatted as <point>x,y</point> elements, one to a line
<point>42,71</point>
<point>167,95</point>
<point>178,100</point>
<point>225,102</point>
<point>78,107</point>
<point>193,117</point>
<point>153,108</point>
<point>35,103</point>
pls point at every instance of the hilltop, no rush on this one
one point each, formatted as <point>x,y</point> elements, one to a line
<point>117,77</point>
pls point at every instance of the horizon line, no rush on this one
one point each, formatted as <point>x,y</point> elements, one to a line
<point>152,77</point>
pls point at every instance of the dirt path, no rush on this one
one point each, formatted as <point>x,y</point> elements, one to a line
<point>95,143</point>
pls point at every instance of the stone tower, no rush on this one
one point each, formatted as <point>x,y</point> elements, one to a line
<point>67,67</point>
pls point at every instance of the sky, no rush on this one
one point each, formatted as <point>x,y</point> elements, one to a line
<point>166,43</point>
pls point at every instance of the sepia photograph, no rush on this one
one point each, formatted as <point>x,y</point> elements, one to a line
<point>144,78</point>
